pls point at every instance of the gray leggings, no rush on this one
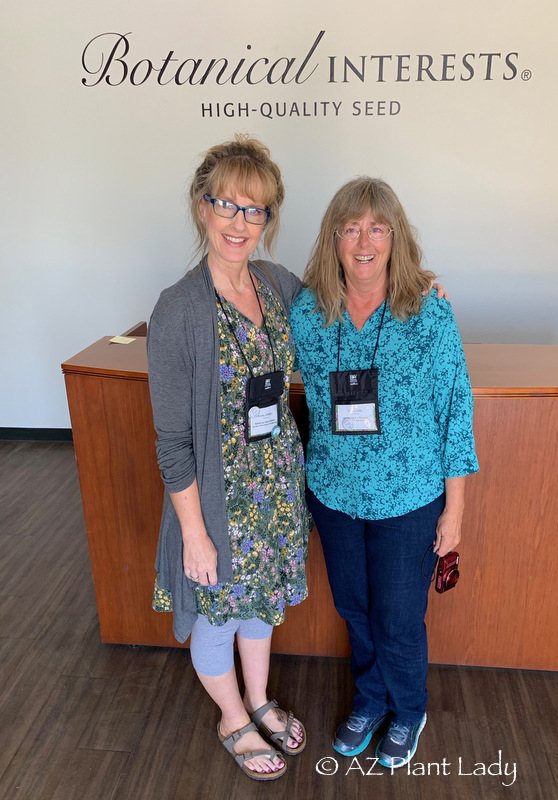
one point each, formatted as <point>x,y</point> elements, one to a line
<point>212,646</point>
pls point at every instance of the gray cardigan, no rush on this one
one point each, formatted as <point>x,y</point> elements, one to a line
<point>184,381</point>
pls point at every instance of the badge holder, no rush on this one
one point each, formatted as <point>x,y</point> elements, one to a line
<point>354,396</point>
<point>354,402</point>
<point>263,407</point>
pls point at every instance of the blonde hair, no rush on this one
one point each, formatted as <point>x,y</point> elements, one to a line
<point>406,278</point>
<point>243,165</point>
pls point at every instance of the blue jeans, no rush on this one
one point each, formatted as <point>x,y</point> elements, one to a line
<point>379,572</point>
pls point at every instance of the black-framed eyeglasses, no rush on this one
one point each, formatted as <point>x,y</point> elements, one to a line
<point>351,232</point>
<point>228,209</point>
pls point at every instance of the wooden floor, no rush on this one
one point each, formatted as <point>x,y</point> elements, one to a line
<point>86,721</point>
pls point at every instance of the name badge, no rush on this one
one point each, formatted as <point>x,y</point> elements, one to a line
<point>354,402</point>
<point>263,408</point>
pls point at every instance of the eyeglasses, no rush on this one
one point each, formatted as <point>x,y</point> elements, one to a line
<point>351,232</point>
<point>228,209</point>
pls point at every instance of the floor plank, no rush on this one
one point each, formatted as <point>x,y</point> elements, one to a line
<point>87,721</point>
<point>51,743</point>
<point>91,775</point>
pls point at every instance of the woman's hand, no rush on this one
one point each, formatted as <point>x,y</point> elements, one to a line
<point>439,289</point>
<point>448,533</point>
<point>448,528</point>
<point>199,558</point>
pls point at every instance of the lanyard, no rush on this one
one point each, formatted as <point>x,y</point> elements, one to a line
<point>377,339</point>
<point>234,334</point>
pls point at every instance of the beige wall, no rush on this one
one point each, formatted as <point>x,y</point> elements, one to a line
<point>92,212</point>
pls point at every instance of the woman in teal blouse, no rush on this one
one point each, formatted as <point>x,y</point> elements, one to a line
<point>390,445</point>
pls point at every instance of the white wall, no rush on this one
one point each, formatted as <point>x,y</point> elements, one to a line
<point>92,208</point>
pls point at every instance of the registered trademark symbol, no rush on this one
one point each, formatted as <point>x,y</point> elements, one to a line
<point>526,75</point>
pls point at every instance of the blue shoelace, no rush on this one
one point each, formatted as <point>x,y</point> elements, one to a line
<point>399,733</point>
<point>356,722</point>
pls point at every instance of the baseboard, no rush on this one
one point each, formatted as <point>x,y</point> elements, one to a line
<point>36,435</point>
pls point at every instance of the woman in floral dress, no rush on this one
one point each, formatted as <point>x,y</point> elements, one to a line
<point>233,538</point>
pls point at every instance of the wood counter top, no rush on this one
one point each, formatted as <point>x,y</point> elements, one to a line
<point>518,370</point>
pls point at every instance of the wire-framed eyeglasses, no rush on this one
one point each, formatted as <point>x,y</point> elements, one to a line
<point>228,209</point>
<point>375,232</point>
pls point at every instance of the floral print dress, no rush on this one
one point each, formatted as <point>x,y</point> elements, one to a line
<point>264,481</point>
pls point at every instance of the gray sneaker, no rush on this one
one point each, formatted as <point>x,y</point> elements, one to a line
<point>353,736</point>
<point>399,744</point>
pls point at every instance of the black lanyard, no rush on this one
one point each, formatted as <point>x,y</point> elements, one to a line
<point>234,334</point>
<point>377,338</point>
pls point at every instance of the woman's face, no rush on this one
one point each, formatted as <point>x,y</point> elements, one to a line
<point>231,241</point>
<point>364,260</point>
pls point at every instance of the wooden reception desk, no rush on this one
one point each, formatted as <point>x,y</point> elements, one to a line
<point>504,610</point>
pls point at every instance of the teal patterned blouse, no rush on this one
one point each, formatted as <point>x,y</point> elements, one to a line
<point>425,409</point>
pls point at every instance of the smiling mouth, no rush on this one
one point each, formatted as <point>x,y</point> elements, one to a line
<point>364,259</point>
<point>234,239</point>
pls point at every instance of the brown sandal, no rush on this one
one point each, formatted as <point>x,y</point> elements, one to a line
<point>228,743</point>
<point>281,738</point>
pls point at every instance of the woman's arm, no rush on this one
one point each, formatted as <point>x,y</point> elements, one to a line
<point>170,381</point>
<point>448,528</point>
<point>199,555</point>
<point>170,374</point>
<point>453,401</point>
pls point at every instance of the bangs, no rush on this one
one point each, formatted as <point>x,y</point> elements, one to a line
<point>247,179</point>
<point>361,197</point>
